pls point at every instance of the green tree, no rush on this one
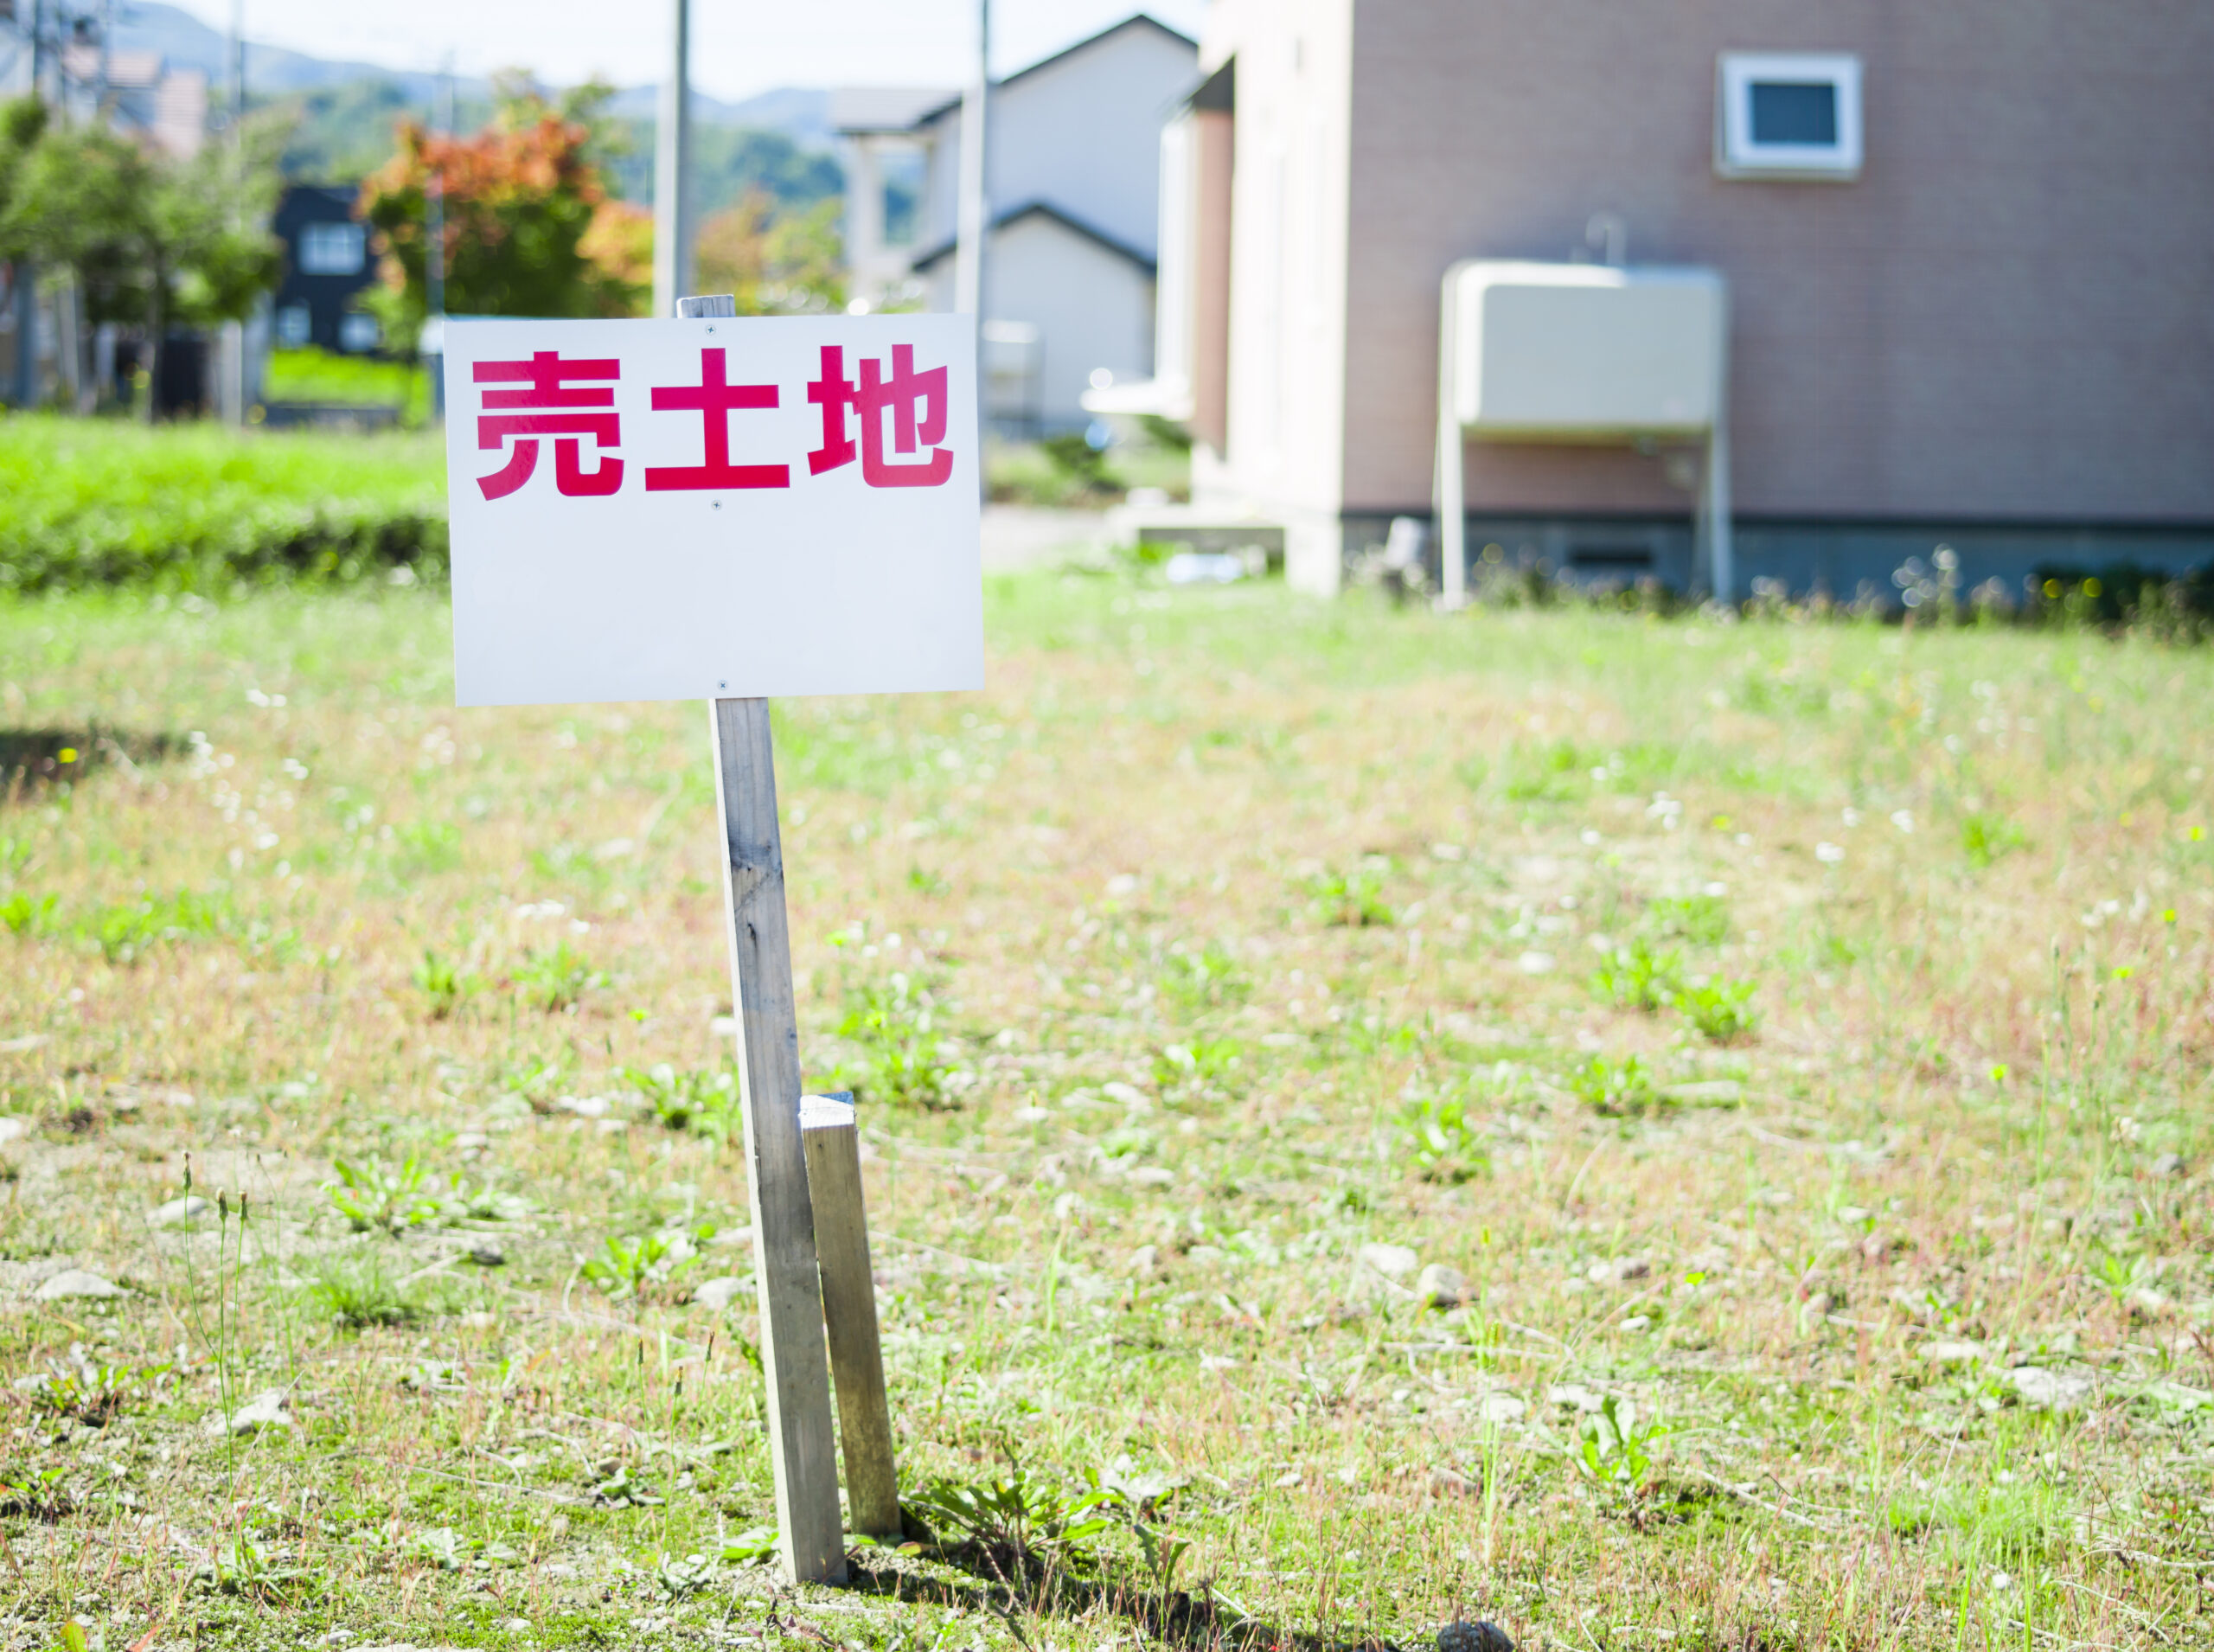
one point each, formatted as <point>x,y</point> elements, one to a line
<point>522,198</point>
<point>149,241</point>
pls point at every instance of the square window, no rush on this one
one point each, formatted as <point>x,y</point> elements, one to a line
<point>358,332</point>
<point>332,249</point>
<point>294,326</point>
<point>1785,115</point>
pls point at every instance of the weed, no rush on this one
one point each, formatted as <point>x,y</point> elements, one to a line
<point>426,847</point>
<point>1352,899</point>
<point>1701,920</point>
<point>1444,1141</point>
<point>1615,1452</point>
<point>375,1197</point>
<point>1722,1010</point>
<point>1637,978</point>
<point>1615,1089</point>
<point>24,916</point>
<point>1210,978</point>
<point>1552,773</point>
<point>624,1489</point>
<point>446,986</point>
<point>901,1056</point>
<point>703,1100</point>
<point>36,1494</point>
<point>1984,838</point>
<point>123,933</point>
<point>554,979</point>
<point>752,1546</point>
<point>360,1292</point>
<point>1013,1517</point>
<point>2120,1272</point>
<point>680,1579</point>
<point>88,1393</point>
<point>243,1566</point>
<point>643,1264</point>
<point>1204,1060</point>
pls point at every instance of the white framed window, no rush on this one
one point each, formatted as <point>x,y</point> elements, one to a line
<point>358,332</point>
<point>332,249</point>
<point>1787,115</point>
<point>295,325</point>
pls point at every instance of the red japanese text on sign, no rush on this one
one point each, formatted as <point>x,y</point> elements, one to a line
<point>715,399</point>
<point>915,403</point>
<point>549,408</point>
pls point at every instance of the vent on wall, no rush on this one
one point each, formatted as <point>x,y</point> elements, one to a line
<point>1782,115</point>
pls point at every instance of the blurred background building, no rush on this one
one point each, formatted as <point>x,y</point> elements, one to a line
<point>1073,179</point>
<point>1965,248</point>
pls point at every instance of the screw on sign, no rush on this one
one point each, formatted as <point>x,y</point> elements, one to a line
<point>705,561</point>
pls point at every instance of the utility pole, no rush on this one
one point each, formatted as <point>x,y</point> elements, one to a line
<point>230,393</point>
<point>434,247</point>
<point>975,206</point>
<point>974,225</point>
<point>673,169</point>
<point>238,65</point>
<point>26,272</point>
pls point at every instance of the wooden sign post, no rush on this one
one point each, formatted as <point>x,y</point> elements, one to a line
<point>854,572</point>
<point>785,1271</point>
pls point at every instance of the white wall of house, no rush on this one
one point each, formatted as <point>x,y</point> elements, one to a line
<point>1092,308</point>
<point>1081,131</point>
<point>1285,454</point>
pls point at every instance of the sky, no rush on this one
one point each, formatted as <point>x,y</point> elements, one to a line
<point>739,46</point>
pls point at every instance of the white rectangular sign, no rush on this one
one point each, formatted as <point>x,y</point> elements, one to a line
<point>713,509</point>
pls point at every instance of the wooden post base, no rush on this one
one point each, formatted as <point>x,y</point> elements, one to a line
<point>832,1142</point>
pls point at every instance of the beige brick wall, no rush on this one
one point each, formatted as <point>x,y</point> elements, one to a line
<point>2009,316</point>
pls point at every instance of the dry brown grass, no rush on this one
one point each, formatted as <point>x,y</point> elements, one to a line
<point>1966,1138</point>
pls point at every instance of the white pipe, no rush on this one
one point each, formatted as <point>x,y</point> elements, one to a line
<point>974,208</point>
<point>1721,553</point>
<point>673,168</point>
<point>1452,526</point>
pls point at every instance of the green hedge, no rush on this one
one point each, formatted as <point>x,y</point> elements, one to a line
<point>97,502</point>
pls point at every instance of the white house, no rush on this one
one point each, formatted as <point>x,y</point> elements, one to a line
<point>1072,181</point>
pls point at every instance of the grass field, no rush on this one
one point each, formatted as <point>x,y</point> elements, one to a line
<point>1661,1135</point>
<point>91,502</point>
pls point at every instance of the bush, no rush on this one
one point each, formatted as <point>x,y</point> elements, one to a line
<point>182,507</point>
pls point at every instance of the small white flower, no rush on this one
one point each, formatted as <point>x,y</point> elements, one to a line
<point>1828,854</point>
<point>1853,816</point>
<point>1904,819</point>
<point>1536,963</point>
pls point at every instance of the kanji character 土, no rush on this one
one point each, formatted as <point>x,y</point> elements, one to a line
<point>715,399</point>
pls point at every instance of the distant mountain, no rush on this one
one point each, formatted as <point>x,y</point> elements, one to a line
<point>801,114</point>
<point>149,25</point>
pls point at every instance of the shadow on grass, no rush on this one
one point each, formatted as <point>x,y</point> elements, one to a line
<point>31,757</point>
<point>1012,1587</point>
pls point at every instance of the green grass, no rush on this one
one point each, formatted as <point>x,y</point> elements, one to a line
<point>201,508</point>
<point>311,375</point>
<point>1816,1182</point>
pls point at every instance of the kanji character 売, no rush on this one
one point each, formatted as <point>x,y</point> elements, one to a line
<point>715,399</point>
<point>553,410</point>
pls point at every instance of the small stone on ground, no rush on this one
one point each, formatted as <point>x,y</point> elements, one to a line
<point>76,1282</point>
<point>263,1411</point>
<point>717,1295</point>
